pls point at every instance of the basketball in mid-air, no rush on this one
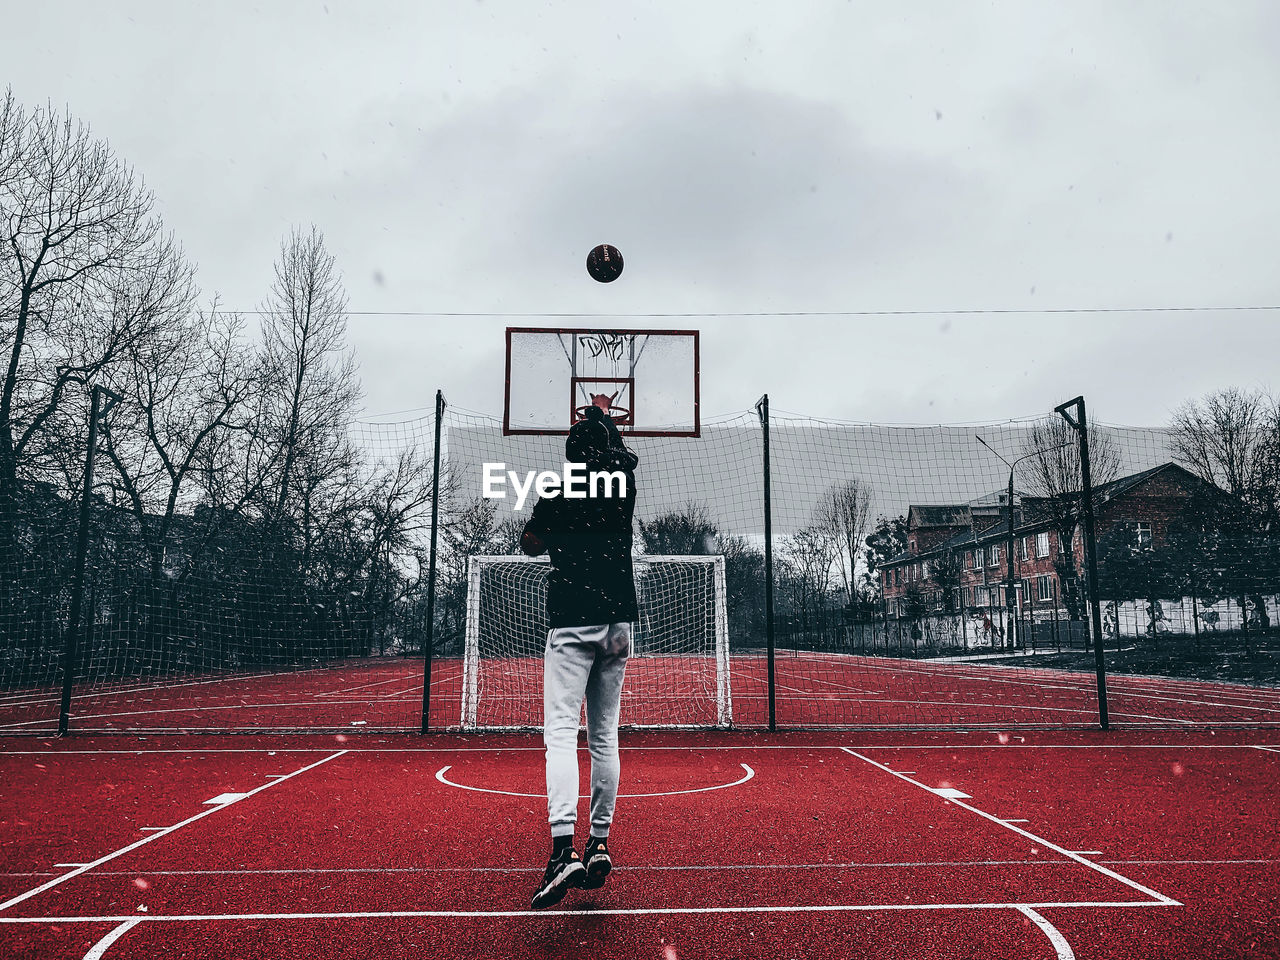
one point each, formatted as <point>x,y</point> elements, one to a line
<point>604,263</point>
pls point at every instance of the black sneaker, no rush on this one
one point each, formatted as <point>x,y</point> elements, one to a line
<point>598,863</point>
<point>563,874</point>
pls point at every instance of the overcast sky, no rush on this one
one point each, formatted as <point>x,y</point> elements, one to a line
<point>746,158</point>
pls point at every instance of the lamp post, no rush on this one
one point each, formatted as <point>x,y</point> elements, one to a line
<point>1009,603</point>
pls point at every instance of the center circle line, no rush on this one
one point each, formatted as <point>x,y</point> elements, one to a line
<point>440,775</point>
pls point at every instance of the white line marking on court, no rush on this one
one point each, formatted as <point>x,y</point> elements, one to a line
<point>654,868</point>
<point>631,912</point>
<point>1055,936</point>
<point>99,949</point>
<point>940,745</point>
<point>161,832</point>
<point>1132,884</point>
<point>440,775</point>
<point>68,864</point>
<point>950,793</point>
<point>1087,853</point>
<point>1013,820</point>
<point>226,798</point>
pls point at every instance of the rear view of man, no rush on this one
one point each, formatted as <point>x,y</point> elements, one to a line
<point>591,604</point>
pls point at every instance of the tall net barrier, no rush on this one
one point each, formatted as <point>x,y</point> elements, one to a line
<point>228,609</point>
<point>932,576</point>
<point>693,496</point>
<point>912,586</point>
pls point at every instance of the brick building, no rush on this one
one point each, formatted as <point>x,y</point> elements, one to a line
<point>961,549</point>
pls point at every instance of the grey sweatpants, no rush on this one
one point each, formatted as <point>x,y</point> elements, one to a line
<point>583,662</point>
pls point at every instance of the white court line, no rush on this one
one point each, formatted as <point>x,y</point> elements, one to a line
<point>100,948</point>
<point>660,868</point>
<point>1132,884</point>
<point>440,775</point>
<point>630,912</point>
<point>940,745</point>
<point>162,832</point>
<point>1055,936</point>
<point>197,711</point>
<point>1064,683</point>
<point>33,699</point>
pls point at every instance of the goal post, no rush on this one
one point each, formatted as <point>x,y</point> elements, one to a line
<point>678,673</point>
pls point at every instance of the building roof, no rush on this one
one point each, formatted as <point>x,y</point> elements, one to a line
<point>924,516</point>
<point>1032,513</point>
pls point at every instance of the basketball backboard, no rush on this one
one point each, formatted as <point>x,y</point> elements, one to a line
<point>650,376</point>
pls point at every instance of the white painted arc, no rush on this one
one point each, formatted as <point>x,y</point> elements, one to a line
<point>440,775</point>
<point>1055,936</point>
<point>99,949</point>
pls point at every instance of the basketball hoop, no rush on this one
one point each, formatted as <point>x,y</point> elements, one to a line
<point>621,416</point>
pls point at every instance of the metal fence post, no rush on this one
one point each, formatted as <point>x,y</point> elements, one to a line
<point>431,569</point>
<point>71,649</point>
<point>762,409</point>
<point>1080,424</point>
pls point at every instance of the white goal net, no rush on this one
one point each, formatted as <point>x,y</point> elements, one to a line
<point>678,673</point>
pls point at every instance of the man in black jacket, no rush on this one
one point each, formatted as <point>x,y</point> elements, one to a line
<point>591,604</point>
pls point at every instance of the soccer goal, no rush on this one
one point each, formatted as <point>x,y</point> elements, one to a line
<point>678,673</point>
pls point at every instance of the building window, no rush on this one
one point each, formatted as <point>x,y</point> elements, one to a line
<point>924,569</point>
<point>911,544</point>
<point>1064,543</point>
<point>1144,535</point>
<point>1044,588</point>
<point>993,555</point>
<point>897,581</point>
<point>1023,552</point>
<point>1042,544</point>
<point>1025,586</point>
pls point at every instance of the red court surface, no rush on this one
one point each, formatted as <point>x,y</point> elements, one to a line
<point>986,844</point>
<point>813,691</point>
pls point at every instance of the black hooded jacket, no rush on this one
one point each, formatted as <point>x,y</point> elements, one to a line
<point>589,538</point>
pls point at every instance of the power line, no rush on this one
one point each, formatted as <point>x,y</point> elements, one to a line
<point>978,311</point>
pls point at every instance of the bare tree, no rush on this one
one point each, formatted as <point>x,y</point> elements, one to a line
<point>1054,481</point>
<point>843,513</point>
<point>946,573</point>
<point>309,373</point>
<point>1231,439</point>
<point>83,265</point>
<point>183,391</point>
<point>808,556</point>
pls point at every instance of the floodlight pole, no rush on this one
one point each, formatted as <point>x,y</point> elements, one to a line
<point>1080,425</point>
<point>1009,599</point>
<point>762,409</point>
<point>71,648</point>
<point>429,641</point>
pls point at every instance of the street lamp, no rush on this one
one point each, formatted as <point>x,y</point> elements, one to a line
<point>1010,618</point>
